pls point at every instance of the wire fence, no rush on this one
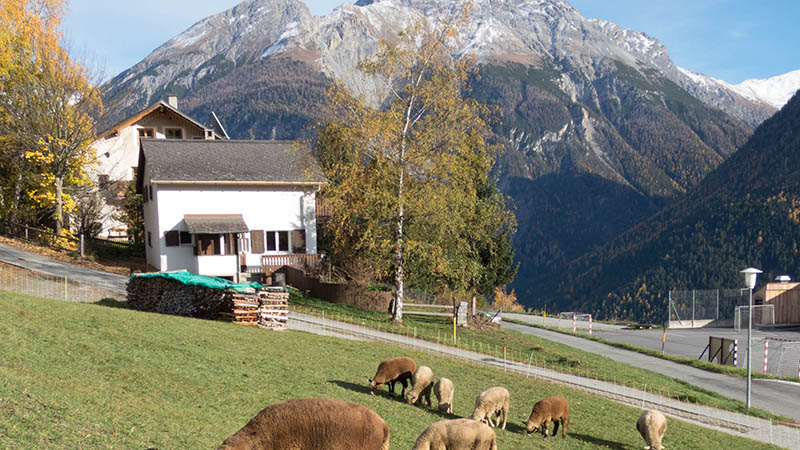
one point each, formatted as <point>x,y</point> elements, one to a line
<point>731,422</point>
<point>703,308</point>
<point>24,281</point>
<point>82,245</point>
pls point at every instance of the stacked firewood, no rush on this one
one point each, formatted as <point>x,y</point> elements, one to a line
<point>167,296</point>
<point>245,309</point>
<point>274,310</point>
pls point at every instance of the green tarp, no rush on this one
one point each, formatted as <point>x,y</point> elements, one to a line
<point>191,279</point>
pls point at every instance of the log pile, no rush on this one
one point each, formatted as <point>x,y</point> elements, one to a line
<point>265,308</point>
<point>274,310</point>
<point>245,309</point>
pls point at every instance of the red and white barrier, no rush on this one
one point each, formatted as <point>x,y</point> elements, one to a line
<point>590,324</point>
<point>574,322</point>
<point>766,352</point>
<point>735,352</point>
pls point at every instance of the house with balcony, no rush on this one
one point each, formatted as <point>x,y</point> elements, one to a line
<point>117,152</point>
<point>228,208</point>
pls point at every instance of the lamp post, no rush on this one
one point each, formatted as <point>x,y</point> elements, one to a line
<point>750,275</point>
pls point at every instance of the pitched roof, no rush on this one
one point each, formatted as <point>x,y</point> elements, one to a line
<point>227,162</point>
<point>138,116</point>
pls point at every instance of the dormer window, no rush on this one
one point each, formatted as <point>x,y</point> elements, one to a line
<point>173,133</point>
<point>146,133</point>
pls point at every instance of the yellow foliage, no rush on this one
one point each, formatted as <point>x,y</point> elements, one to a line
<point>506,301</point>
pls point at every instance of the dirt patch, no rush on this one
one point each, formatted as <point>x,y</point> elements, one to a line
<point>119,267</point>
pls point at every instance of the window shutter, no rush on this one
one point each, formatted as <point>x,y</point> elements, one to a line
<point>173,239</point>
<point>298,241</point>
<point>257,238</point>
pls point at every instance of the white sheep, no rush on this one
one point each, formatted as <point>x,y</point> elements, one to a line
<point>457,434</point>
<point>652,425</point>
<point>421,385</point>
<point>492,401</point>
<point>443,389</point>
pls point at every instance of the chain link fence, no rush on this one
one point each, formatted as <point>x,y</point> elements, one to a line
<point>29,282</point>
<point>703,308</point>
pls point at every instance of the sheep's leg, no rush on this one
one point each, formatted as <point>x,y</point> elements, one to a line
<point>564,424</point>
<point>505,413</point>
<point>403,392</point>
<point>555,427</point>
<point>489,418</point>
<point>545,424</point>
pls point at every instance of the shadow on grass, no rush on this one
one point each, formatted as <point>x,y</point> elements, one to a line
<point>362,388</point>
<point>597,441</point>
<point>113,303</point>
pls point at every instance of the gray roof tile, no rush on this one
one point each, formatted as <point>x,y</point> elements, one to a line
<point>222,160</point>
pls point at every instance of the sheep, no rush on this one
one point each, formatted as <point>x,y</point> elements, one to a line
<point>312,424</point>
<point>392,371</point>
<point>443,389</point>
<point>492,401</point>
<point>652,425</point>
<point>457,434</point>
<point>555,409</point>
<point>421,386</point>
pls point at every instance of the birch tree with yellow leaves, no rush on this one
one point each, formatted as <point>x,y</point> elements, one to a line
<point>47,108</point>
<point>408,166</point>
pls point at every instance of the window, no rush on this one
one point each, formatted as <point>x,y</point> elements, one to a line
<point>208,244</point>
<point>172,238</point>
<point>146,133</point>
<point>186,238</point>
<point>144,196</point>
<point>298,241</point>
<point>102,181</point>
<point>173,133</point>
<point>277,241</point>
<point>271,247</point>
<point>151,192</point>
<point>257,238</point>
<point>149,240</point>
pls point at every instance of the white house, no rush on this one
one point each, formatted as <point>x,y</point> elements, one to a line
<point>224,208</point>
<point>117,151</point>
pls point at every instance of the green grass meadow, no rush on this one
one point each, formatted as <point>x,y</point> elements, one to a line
<point>89,376</point>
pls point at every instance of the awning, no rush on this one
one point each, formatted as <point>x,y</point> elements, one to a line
<point>215,223</point>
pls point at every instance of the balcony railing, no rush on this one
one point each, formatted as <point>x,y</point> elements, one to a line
<point>308,263</point>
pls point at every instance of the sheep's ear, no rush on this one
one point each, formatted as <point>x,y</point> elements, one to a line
<point>370,380</point>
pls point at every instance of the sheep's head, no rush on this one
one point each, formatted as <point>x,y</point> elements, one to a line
<point>411,397</point>
<point>373,386</point>
<point>532,425</point>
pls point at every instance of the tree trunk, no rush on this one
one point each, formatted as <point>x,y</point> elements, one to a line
<point>399,279</point>
<point>59,212</point>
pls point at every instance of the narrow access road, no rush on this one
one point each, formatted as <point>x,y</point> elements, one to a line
<point>39,263</point>
<point>779,397</point>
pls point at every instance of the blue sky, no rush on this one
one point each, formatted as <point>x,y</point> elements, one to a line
<point>727,39</point>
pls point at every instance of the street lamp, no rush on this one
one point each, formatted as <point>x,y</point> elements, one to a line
<point>750,275</point>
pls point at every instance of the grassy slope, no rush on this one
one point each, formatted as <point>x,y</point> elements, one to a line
<point>88,376</point>
<point>523,347</point>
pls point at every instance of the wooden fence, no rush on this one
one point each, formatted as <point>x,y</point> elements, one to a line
<point>103,248</point>
<point>444,310</point>
<point>338,293</point>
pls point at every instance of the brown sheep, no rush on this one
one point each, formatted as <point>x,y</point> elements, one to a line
<point>555,409</point>
<point>421,386</point>
<point>492,401</point>
<point>652,425</point>
<point>443,389</point>
<point>392,371</point>
<point>457,434</point>
<point>312,424</point>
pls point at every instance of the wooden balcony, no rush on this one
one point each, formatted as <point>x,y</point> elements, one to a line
<point>308,263</point>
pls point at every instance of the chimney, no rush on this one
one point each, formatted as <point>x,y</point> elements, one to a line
<point>172,100</point>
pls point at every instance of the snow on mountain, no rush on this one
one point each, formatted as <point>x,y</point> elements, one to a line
<point>776,90</point>
<point>524,31</point>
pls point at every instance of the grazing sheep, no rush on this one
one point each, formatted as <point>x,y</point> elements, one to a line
<point>555,409</point>
<point>457,434</point>
<point>443,389</point>
<point>421,386</point>
<point>492,401</point>
<point>652,425</point>
<point>312,424</point>
<point>392,371</point>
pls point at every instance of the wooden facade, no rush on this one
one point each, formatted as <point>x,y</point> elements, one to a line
<point>786,300</point>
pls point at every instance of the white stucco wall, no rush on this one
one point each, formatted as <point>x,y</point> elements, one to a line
<point>276,209</point>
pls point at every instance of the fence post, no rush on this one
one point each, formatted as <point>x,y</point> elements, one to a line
<point>590,324</point>
<point>693,300</point>
<point>766,352</point>
<point>669,307</point>
<point>82,245</point>
<point>574,322</point>
<point>735,352</point>
<point>65,289</point>
<point>717,304</point>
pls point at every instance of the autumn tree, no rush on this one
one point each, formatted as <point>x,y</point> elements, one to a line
<point>407,166</point>
<point>48,103</point>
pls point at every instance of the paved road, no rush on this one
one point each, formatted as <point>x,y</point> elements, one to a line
<point>557,321</point>
<point>33,261</point>
<point>779,397</point>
